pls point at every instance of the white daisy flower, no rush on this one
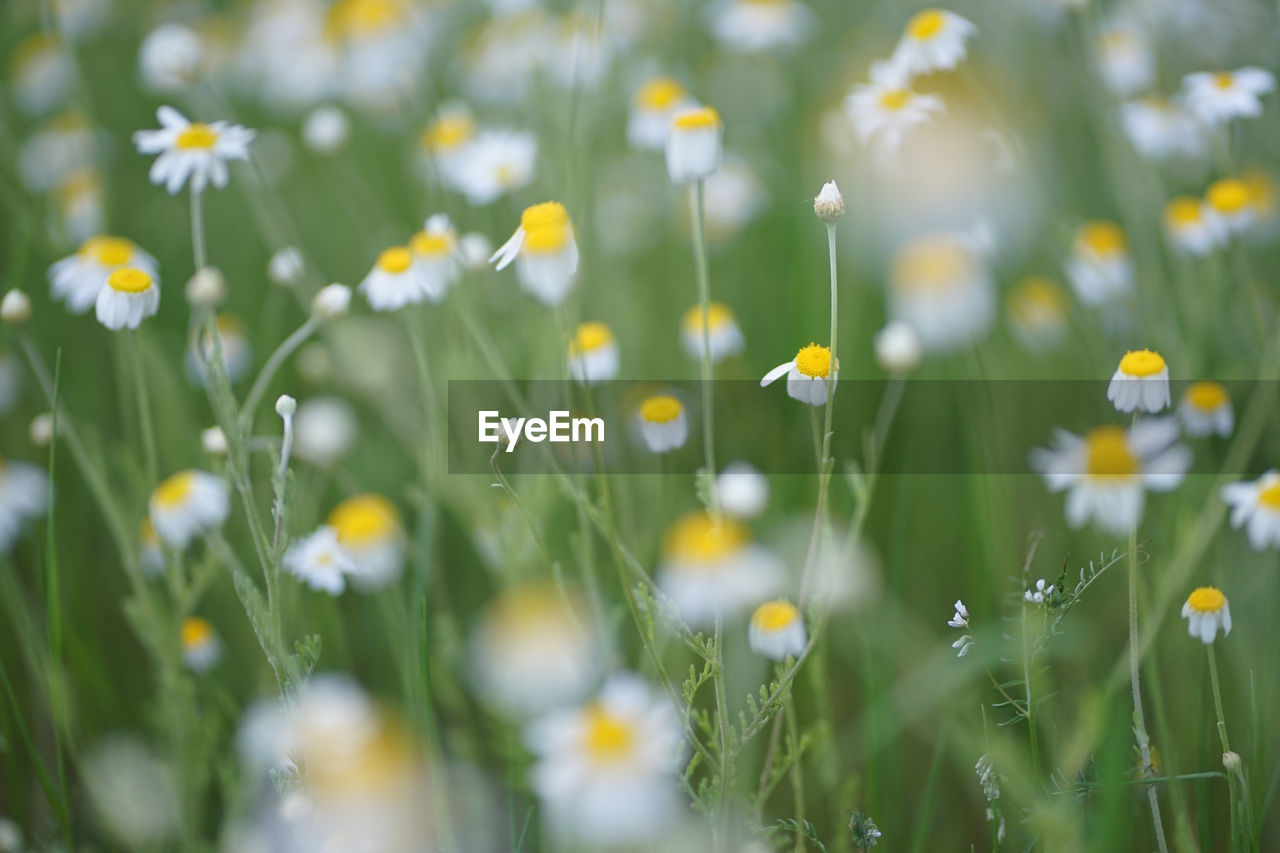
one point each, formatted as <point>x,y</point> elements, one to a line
<point>170,59</point>
<point>320,562</point>
<point>710,567</point>
<point>330,301</point>
<point>1140,383</point>
<point>741,491</point>
<point>1217,98</point>
<point>941,286</point>
<point>1107,472</point>
<point>42,73</point>
<point>1192,226</point>
<point>65,144</point>
<point>24,497</point>
<point>1231,203</point>
<point>777,630</point>
<point>1160,130</point>
<point>78,279</point>
<point>1038,594</point>
<point>934,40</point>
<point>1205,409</point>
<point>447,140</point>
<point>605,771</point>
<point>750,26</point>
<point>394,281</point>
<point>192,151</point>
<point>959,619</point>
<point>593,354</point>
<point>898,348</point>
<point>663,424</point>
<point>188,504</point>
<point>326,129</point>
<point>150,553</point>
<point>1256,507</point>
<point>694,144</point>
<point>1206,610</point>
<point>723,334</point>
<point>369,530</point>
<point>435,257</point>
<point>544,251</point>
<point>496,163</point>
<point>233,339</point>
<point>655,105</point>
<point>885,109</point>
<point>201,647</point>
<point>1099,268</point>
<point>806,375</point>
<point>323,430</point>
<point>129,297</point>
<point>1125,60</point>
<point>1037,309</point>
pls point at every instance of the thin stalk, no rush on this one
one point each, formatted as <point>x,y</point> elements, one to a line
<point>286,349</point>
<point>1031,705</point>
<point>197,230</point>
<point>1139,719</point>
<point>722,715</point>
<point>144,408</point>
<point>1217,698</point>
<point>697,197</point>
<point>1238,786</point>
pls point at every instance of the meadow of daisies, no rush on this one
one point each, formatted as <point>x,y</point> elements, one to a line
<point>937,358</point>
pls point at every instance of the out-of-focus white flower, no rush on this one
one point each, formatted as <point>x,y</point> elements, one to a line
<point>777,630</point>
<point>79,19</point>
<point>332,300</point>
<point>655,105</point>
<point>133,792</point>
<point>741,491</point>
<point>213,441</point>
<point>188,504</point>
<point>1037,309</point>
<point>724,337</point>
<point>1217,98</point>
<point>1160,130</point>
<point>170,59</point>
<point>733,196</point>
<point>435,257</point>
<point>934,40</point>
<point>42,73</point>
<point>1231,203</point>
<point>15,307</point>
<point>1191,226</point>
<point>325,129</point>
<point>63,145</point>
<point>129,297</point>
<point>1140,383</point>
<point>206,288</point>
<point>885,109</point>
<point>1206,610</point>
<point>394,281</point>
<point>663,424</point>
<point>320,562</point>
<point>1107,472</point>
<point>1205,409</point>
<point>605,771</point>
<point>10,836</point>
<point>78,279</point>
<point>79,203</point>
<point>233,339</point>
<point>710,567</point>
<point>380,47</point>
<point>446,140</point>
<point>1099,268</point>
<point>593,353</point>
<point>806,374</point>
<point>1039,593</point>
<point>369,529</point>
<point>694,144</point>
<point>1262,201</point>
<point>960,619</point>
<point>323,430</point>
<point>750,26</point>
<point>544,251</point>
<point>942,287</point>
<point>286,266</point>
<point>474,250</point>
<point>1125,60</point>
<point>191,151</point>
<point>1255,506</point>
<point>40,430</point>
<point>495,163</point>
<point>24,497</point>
<point>201,647</point>
<point>898,348</point>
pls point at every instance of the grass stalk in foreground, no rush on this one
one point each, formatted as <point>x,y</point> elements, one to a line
<point>1238,786</point>
<point>1139,718</point>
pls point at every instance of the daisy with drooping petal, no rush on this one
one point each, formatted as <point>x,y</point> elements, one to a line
<point>1206,610</point>
<point>751,26</point>
<point>663,424</point>
<point>710,567</point>
<point>369,530</point>
<point>201,647</point>
<point>320,562</point>
<point>1255,506</point>
<point>941,286</point>
<point>777,630</point>
<point>1217,98</point>
<point>394,281</point>
<point>1160,130</point>
<point>806,375</point>
<point>1107,472</point>
<point>24,497</point>
<point>741,491</point>
<point>1099,268</point>
<point>934,40</point>
<point>191,151</point>
<point>593,353</point>
<point>495,163</point>
<point>1205,409</point>
<point>129,297</point>
<point>1192,226</point>
<point>655,105</point>
<point>78,279</point>
<point>1037,309</point>
<point>188,504</point>
<point>544,251</point>
<point>605,771</point>
<point>435,257</point>
<point>885,109</point>
<point>694,144</point>
<point>1231,203</point>
<point>724,335</point>
<point>1140,383</point>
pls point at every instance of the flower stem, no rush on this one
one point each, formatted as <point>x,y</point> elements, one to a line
<point>1031,705</point>
<point>197,229</point>
<point>144,408</point>
<point>722,714</point>
<point>1217,698</point>
<point>704,299</point>
<point>286,349</point>
<point>1139,719</point>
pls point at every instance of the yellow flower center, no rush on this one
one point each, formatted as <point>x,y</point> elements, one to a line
<point>814,361</point>
<point>1103,238</point>
<point>195,632</point>
<point>109,251</point>
<point>524,609</point>
<point>361,17</point>
<point>607,739</point>
<point>774,615</point>
<point>1184,211</point>
<point>547,238</point>
<point>1142,362</point>
<point>661,409</point>
<point>590,337</point>
<point>428,244</point>
<point>927,24</point>
<point>702,118</point>
<point>1108,453</point>
<point>129,280</point>
<point>698,538</point>
<point>395,260</point>
<point>1207,599</point>
<point>1228,196</point>
<point>931,263</point>
<point>543,215</point>
<point>364,519</point>
<point>1270,496</point>
<point>718,315</point>
<point>1207,396</point>
<point>1224,80</point>
<point>1037,298</point>
<point>197,137</point>
<point>175,490</point>
<point>895,99</point>
<point>660,93</point>
<point>448,131</point>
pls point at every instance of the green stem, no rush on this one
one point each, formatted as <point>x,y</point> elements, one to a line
<point>144,408</point>
<point>704,299</point>
<point>722,715</point>
<point>1031,705</point>
<point>1139,719</point>
<point>197,230</point>
<point>287,348</point>
<point>1217,698</point>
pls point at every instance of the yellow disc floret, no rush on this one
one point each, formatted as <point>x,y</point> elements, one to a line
<point>895,99</point>
<point>1207,599</point>
<point>661,409</point>
<point>660,93</point>
<point>1142,362</point>
<point>364,519</point>
<point>395,260</point>
<point>718,315</point>
<point>545,239</point>
<point>1037,298</point>
<point>129,280</point>
<point>108,251</point>
<point>702,118</point>
<point>197,137</point>
<point>1102,238</point>
<point>699,538</point>
<point>449,131</point>
<point>589,337</point>
<point>1207,396</point>
<point>1108,454</point>
<point>429,243</point>
<point>606,737</point>
<point>927,24</point>
<point>195,632</point>
<point>542,215</point>
<point>1184,211</point>
<point>814,361</point>
<point>174,490</point>
<point>774,615</point>
<point>1228,196</point>
<point>1270,496</point>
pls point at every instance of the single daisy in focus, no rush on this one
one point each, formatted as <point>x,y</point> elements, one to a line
<point>1192,226</point>
<point>663,424</point>
<point>544,251</point>
<point>368,528</point>
<point>710,567</point>
<point>201,647</point>
<point>1206,610</point>
<point>1218,97</point>
<point>1099,268</point>
<point>806,375</point>
<point>188,504</point>
<point>694,144</point>
<point>320,562</point>
<point>750,26</point>
<point>777,630</point>
<point>129,297</point>
<point>941,286</point>
<point>741,491</point>
<point>605,771</point>
<point>435,257</point>
<point>1205,409</point>
<point>593,353</point>
<point>192,152</point>
<point>724,337</point>
<point>1037,309</point>
<point>1107,472</point>
<point>394,281</point>
<point>77,279</point>
<point>934,40</point>
<point>1140,383</point>
<point>233,339</point>
<point>496,163</point>
<point>653,107</point>
<point>150,554</point>
<point>884,110</point>
<point>1255,506</point>
<point>1231,203</point>
<point>24,496</point>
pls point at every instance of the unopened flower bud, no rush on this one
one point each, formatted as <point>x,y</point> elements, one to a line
<point>285,267</point>
<point>41,430</point>
<point>829,203</point>
<point>207,288</point>
<point>331,301</point>
<point>1231,761</point>
<point>214,441</point>
<point>15,308</point>
<point>286,406</point>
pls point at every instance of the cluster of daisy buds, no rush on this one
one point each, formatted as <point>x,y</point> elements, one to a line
<point>1038,594</point>
<point>960,619</point>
